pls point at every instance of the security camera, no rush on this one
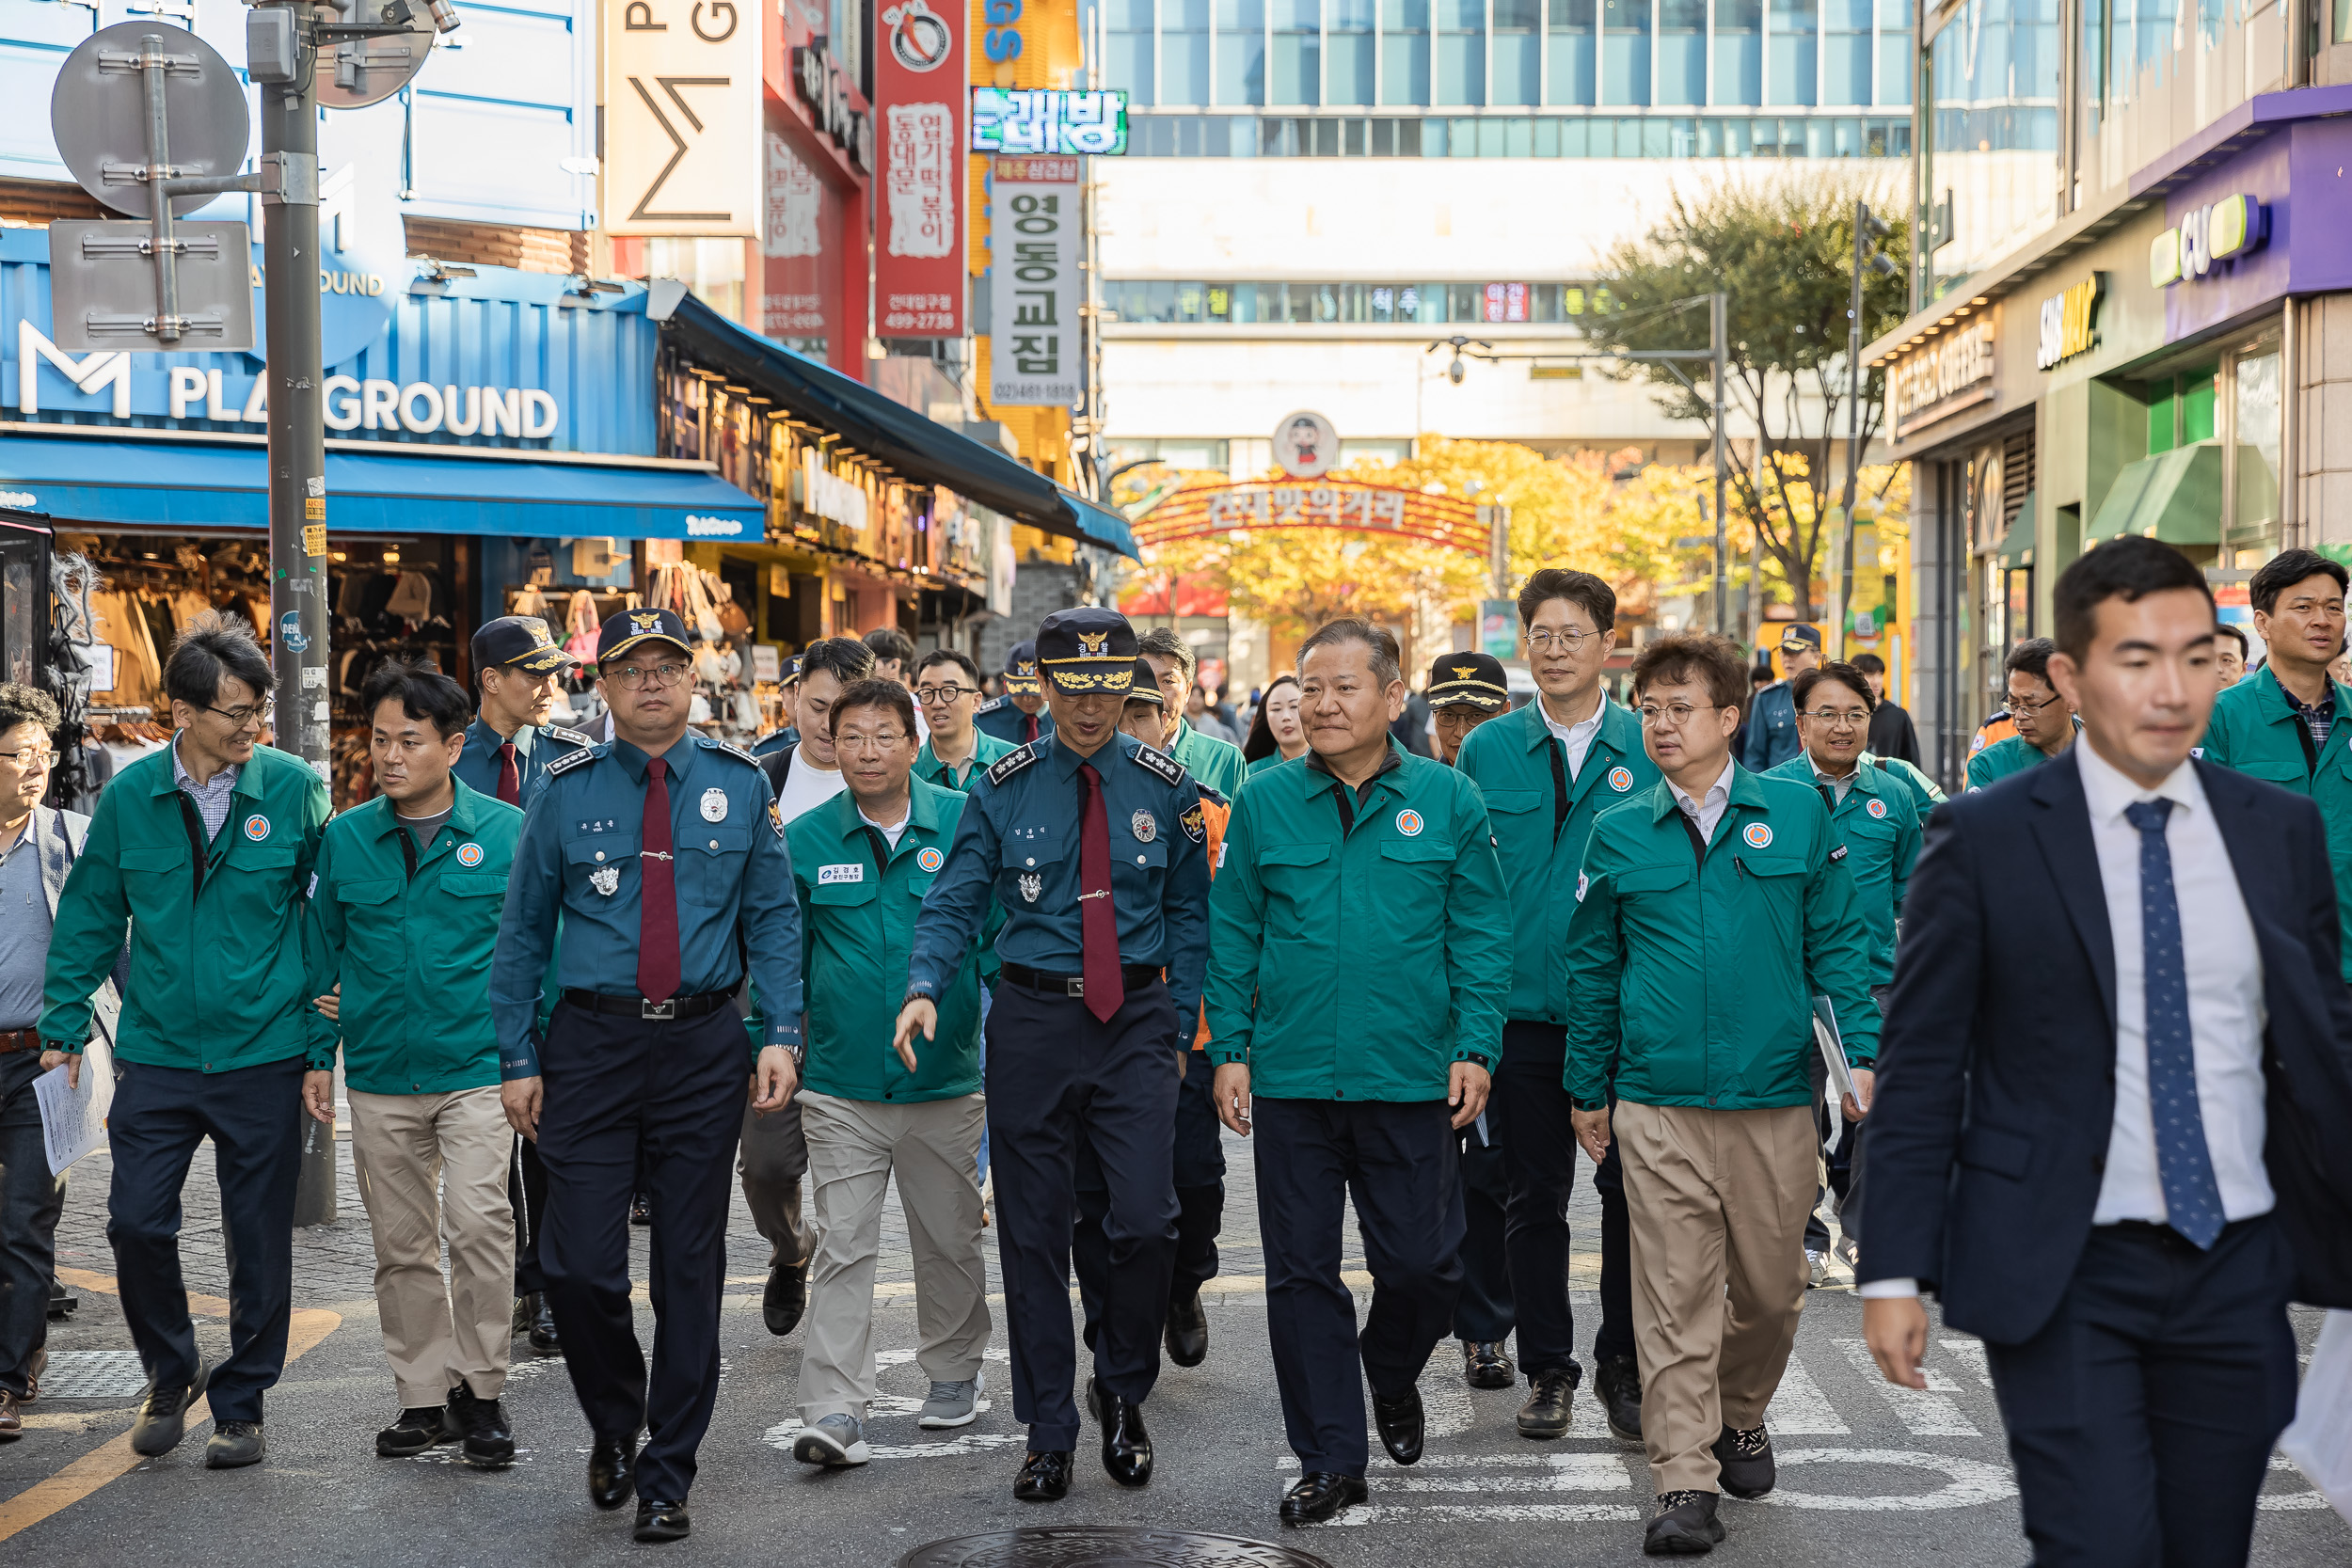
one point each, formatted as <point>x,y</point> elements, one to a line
<point>445,18</point>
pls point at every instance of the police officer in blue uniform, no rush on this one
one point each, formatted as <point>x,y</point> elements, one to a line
<point>1095,845</point>
<point>1021,714</point>
<point>665,858</point>
<point>509,748</point>
<point>1773,717</point>
<point>788,681</point>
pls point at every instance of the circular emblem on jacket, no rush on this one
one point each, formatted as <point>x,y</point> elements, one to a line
<point>1409,823</point>
<point>256,827</point>
<point>1876,808</point>
<point>1758,834</point>
<point>469,854</point>
<point>714,805</point>
<point>1621,779</point>
<point>929,859</point>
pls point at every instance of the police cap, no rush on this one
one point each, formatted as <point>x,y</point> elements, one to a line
<point>1087,649</point>
<point>632,626</point>
<point>518,642</point>
<point>1469,680</point>
<point>1021,670</point>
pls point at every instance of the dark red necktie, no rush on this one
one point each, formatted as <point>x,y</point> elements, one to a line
<point>510,786</point>
<point>1106,987</point>
<point>656,914</point>
<point>1028,722</point>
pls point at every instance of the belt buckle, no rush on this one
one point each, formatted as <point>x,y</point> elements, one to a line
<point>656,1009</point>
<point>1075,986</point>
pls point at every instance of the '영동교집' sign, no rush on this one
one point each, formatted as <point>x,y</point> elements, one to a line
<point>1034,286</point>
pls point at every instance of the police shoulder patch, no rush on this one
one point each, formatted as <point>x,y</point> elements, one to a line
<point>1161,763</point>
<point>557,732</point>
<point>991,706</point>
<point>736,752</point>
<point>1195,824</point>
<point>570,760</point>
<point>1010,763</point>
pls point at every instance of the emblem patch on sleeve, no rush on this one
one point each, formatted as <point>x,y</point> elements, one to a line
<point>1196,824</point>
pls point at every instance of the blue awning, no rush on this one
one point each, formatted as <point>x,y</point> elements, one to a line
<point>168,486</point>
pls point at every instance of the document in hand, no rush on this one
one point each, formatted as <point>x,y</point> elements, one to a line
<point>2320,1441</point>
<point>1833,1046</point>
<point>74,1121</point>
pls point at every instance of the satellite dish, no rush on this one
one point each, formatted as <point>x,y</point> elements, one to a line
<point>356,72</point>
<point>98,113</point>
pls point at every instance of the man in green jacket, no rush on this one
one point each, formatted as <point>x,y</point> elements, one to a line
<point>948,687</point>
<point>1713,909</point>
<point>410,889</point>
<point>2045,723</point>
<point>2278,722</point>
<point>862,863</point>
<point>1358,939</point>
<point>206,848</point>
<point>1216,763</point>
<point>1547,771</point>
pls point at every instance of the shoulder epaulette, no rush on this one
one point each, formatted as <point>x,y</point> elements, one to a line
<point>1161,763</point>
<point>991,706</point>
<point>1010,763</point>
<point>732,750</point>
<point>557,732</point>
<point>574,759</point>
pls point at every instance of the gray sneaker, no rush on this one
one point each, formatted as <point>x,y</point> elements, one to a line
<point>834,1440</point>
<point>954,1404</point>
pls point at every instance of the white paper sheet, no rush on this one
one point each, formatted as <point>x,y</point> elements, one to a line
<point>2320,1441</point>
<point>74,1121</point>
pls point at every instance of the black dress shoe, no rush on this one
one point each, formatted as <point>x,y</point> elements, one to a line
<point>1126,1447</point>
<point>1319,1495</point>
<point>785,1298</point>
<point>1187,1332</point>
<point>1400,1423</point>
<point>659,1521</point>
<point>1044,1478</point>
<point>1485,1365</point>
<point>1551,1403</point>
<point>1745,1460</point>
<point>1617,1385</point>
<point>1686,1526</point>
<point>612,1471</point>
<point>542,1336</point>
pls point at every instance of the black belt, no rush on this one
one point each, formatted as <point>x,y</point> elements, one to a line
<point>637,1007</point>
<point>1134,977</point>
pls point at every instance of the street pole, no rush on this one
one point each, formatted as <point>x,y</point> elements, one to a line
<point>1842,519</point>
<point>1719,345</point>
<point>298,475</point>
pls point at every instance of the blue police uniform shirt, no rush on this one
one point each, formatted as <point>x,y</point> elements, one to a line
<point>578,858</point>
<point>1000,718</point>
<point>775,740</point>
<point>537,748</point>
<point>1772,728</point>
<point>1017,846</point>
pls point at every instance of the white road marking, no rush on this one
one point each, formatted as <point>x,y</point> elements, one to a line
<point>1967,1481</point>
<point>1929,1415</point>
<point>1799,1408</point>
<point>1481,1513</point>
<point>1567,1472</point>
<point>1530,1460</point>
<point>2285,1502</point>
<point>1970,1354</point>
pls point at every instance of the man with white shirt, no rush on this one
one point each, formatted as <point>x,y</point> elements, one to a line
<point>2109,1134</point>
<point>1548,770</point>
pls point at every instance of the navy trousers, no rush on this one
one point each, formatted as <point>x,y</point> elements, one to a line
<point>1484,1312</point>
<point>1530,1106</point>
<point>254,1117</point>
<point>2142,1417</point>
<point>1058,1080</point>
<point>673,1090</point>
<point>527,1190</point>
<point>1398,1162</point>
<point>1199,1172</point>
<point>30,1201</point>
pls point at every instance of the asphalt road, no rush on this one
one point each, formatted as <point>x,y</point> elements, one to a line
<point>1869,1474</point>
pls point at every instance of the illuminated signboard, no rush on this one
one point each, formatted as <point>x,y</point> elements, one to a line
<point>2234,227</point>
<point>1037,120</point>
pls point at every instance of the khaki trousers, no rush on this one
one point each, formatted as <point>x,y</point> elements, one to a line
<point>432,1167</point>
<point>1717,1202</point>
<point>853,1147</point>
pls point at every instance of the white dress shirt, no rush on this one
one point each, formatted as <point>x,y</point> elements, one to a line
<point>1711,807</point>
<point>1577,737</point>
<point>2226,1013</point>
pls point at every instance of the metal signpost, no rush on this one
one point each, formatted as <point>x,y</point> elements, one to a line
<point>151,121</point>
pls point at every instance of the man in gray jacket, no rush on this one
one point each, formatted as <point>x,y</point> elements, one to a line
<point>36,849</point>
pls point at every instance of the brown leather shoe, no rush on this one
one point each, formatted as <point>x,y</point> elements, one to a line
<point>11,1419</point>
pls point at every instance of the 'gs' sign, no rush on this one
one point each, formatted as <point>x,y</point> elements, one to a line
<point>682,153</point>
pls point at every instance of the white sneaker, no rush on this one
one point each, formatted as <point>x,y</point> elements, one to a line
<point>1816,1265</point>
<point>954,1404</point>
<point>834,1440</point>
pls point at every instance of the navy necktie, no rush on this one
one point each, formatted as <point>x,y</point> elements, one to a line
<point>2192,1198</point>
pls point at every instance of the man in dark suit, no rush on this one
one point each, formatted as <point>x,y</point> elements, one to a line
<point>2111,1095</point>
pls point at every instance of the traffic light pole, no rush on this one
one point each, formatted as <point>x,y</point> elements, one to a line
<point>297,473</point>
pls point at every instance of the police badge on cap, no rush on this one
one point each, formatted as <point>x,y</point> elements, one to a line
<point>1087,649</point>
<point>1021,670</point>
<point>518,642</point>
<point>1469,680</point>
<point>632,626</point>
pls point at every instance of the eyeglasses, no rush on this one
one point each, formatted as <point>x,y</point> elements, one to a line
<point>33,759</point>
<point>1571,641</point>
<point>1673,715</point>
<point>882,742</point>
<point>633,678</point>
<point>240,717</point>
<point>932,696</point>
<point>1835,720</point>
<point>2020,704</point>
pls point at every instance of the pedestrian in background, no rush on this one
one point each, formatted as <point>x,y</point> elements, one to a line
<point>1772,735</point>
<point>947,690</point>
<point>37,848</point>
<point>1019,715</point>
<point>788,708</point>
<point>206,849</point>
<point>862,863</point>
<point>1892,736</point>
<point>2230,648</point>
<point>664,854</point>
<point>2045,721</point>
<point>1547,771</point>
<point>1362,861</point>
<point>405,918</point>
<point>894,654</point>
<point>1711,910</point>
<point>1209,757</point>
<point>1276,734</point>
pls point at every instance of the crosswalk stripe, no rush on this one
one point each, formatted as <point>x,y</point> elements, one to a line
<point>1933,1414</point>
<point>1568,1472</point>
<point>1482,1513</point>
<point>1970,1354</point>
<point>1799,1409</point>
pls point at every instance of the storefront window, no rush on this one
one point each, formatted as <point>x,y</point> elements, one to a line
<point>2255,413</point>
<point>1993,133</point>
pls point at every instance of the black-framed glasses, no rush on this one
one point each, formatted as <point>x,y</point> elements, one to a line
<point>32,759</point>
<point>633,678</point>
<point>931,696</point>
<point>251,714</point>
<point>2024,704</point>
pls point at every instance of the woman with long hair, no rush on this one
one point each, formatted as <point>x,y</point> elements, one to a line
<point>1277,735</point>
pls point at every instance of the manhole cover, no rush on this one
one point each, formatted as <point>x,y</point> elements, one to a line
<point>1105,1546</point>
<point>92,1374</point>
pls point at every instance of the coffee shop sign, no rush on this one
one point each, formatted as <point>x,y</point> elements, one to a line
<point>1944,378</point>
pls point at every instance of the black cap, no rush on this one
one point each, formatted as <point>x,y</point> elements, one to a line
<point>1469,680</point>
<point>1797,635</point>
<point>1147,684</point>
<point>518,642</point>
<point>788,671</point>
<point>1021,670</point>
<point>631,626</point>
<point>1087,649</point>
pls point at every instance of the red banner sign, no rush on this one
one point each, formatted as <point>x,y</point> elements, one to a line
<point>919,182</point>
